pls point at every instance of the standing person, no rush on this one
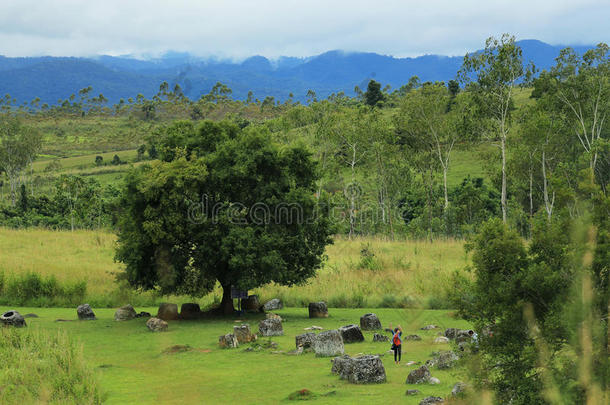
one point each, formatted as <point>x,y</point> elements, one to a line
<point>397,343</point>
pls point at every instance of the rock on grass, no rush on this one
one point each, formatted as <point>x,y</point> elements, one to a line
<point>359,370</point>
<point>329,343</point>
<point>156,325</point>
<point>125,313</point>
<point>419,376</point>
<point>351,334</point>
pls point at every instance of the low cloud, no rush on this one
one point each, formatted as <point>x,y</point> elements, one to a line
<point>236,29</point>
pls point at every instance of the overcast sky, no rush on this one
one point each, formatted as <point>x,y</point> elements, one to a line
<point>240,28</point>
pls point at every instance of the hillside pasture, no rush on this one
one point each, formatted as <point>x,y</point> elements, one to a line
<point>401,273</point>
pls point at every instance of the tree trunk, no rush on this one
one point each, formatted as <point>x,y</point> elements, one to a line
<point>226,305</point>
<point>503,197</point>
<point>445,187</point>
<point>390,219</point>
<point>352,211</point>
<point>531,192</point>
<point>548,203</point>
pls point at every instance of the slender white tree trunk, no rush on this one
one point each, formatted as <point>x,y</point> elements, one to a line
<point>548,202</point>
<point>503,196</point>
<point>531,192</point>
<point>445,187</point>
<point>352,193</point>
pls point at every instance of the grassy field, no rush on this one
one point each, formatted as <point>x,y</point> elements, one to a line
<point>133,367</point>
<point>468,161</point>
<point>402,274</point>
<point>77,136</point>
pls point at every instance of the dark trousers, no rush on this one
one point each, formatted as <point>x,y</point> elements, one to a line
<point>397,352</point>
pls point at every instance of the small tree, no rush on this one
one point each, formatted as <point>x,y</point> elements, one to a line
<point>99,160</point>
<point>80,198</point>
<point>373,95</point>
<point>19,145</point>
<point>141,151</point>
<point>116,160</point>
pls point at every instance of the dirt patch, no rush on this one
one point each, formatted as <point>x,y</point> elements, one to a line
<point>305,395</point>
<point>177,349</point>
<point>301,395</point>
<point>183,349</point>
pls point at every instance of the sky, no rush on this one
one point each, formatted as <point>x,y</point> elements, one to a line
<point>236,29</point>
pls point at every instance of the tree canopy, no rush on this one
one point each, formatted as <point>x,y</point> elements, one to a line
<point>243,214</point>
<point>373,94</point>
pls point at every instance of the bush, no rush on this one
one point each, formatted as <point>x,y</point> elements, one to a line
<point>31,289</point>
<point>437,302</point>
<point>38,367</point>
<point>367,258</point>
<point>388,301</point>
<point>391,301</point>
<point>354,300</point>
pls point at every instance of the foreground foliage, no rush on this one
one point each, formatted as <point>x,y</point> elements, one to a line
<point>44,367</point>
<point>542,311</point>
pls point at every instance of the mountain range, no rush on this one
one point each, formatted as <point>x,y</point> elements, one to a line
<point>54,78</point>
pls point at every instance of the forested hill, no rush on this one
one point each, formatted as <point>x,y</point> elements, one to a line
<point>53,78</point>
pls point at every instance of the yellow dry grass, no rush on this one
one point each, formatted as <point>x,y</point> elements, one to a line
<point>74,256</point>
<point>405,271</point>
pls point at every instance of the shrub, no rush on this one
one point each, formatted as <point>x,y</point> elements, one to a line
<point>406,301</point>
<point>30,289</point>
<point>367,258</point>
<point>39,367</point>
<point>438,302</point>
<point>388,301</point>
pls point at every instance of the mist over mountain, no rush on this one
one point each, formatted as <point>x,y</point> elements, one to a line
<point>54,78</point>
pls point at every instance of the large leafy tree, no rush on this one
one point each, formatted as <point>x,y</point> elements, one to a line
<point>241,213</point>
<point>492,75</point>
<point>578,88</point>
<point>435,120</point>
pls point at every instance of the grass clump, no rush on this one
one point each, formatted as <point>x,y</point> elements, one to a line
<point>368,260</point>
<point>301,395</point>
<point>40,367</point>
<point>32,289</point>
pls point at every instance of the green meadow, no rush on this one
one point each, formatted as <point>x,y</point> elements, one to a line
<point>185,364</point>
